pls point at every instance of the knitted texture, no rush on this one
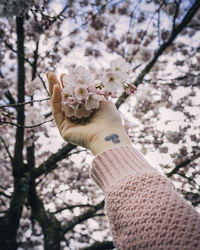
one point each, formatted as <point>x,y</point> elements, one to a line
<point>143,207</point>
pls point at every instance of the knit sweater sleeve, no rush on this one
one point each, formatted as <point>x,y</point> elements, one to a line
<point>143,208</point>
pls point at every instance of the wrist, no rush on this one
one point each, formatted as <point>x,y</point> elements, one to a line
<point>109,138</point>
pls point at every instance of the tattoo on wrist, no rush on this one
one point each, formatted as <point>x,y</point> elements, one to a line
<point>114,137</point>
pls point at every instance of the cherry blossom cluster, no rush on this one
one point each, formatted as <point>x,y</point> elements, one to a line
<point>10,8</point>
<point>82,93</point>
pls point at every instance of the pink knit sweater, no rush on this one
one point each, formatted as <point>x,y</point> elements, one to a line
<point>143,207</point>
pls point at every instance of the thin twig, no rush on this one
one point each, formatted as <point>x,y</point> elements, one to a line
<point>21,126</point>
<point>176,14</point>
<point>6,195</point>
<point>183,164</point>
<point>24,103</point>
<point>187,18</point>
<point>29,62</point>
<point>70,207</point>
<point>76,29</point>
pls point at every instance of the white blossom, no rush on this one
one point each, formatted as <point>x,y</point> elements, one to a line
<point>119,65</point>
<point>81,92</point>
<point>81,76</point>
<point>92,101</point>
<point>113,81</point>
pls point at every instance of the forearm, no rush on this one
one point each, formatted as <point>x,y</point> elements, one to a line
<point>143,207</point>
<point>109,138</point>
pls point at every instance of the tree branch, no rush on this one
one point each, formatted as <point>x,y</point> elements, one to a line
<point>100,245</point>
<point>9,96</point>
<point>194,198</point>
<point>70,207</point>
<point>86,215</point>
<point>6,195</point>
<point>188,17</point>
<point>50,163</point>
<point>21,126</point>
<point>183,164</point>
<point>51,227</point>
<point>19,144</point>
<point>21,178</point>
<point>29,62</point>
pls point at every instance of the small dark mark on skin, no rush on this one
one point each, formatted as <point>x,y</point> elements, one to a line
<point>113,137</point>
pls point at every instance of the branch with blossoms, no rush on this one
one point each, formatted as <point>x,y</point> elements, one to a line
<point>71,207</point>
<point>183,164</point>
<point>175,32</point>
<point>84,216</point>
<point>189,179</point>
<point>194,198</point>
<point>148,25</point>
<point>53,19</point>
<point>76,30</point>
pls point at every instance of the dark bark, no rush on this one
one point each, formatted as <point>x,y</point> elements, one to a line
<point>194,198</point>
<point>19,143</point>
<point>21,179</point>
<point>10,98</point>
<point>51,227</point>
<point>15,211</point>
<point>101,246</point>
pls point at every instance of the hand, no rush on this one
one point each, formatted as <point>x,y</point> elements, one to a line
<point>102,130</point>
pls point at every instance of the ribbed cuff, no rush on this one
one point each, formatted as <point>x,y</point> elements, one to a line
<point>115,163</point>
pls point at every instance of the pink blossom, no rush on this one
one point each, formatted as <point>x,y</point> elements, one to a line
<point>93,89</point>
<point>130,89</point>
<point>82,76</point>
<point>81,92</point>
<point>92,101</point>
<point>71,100</point>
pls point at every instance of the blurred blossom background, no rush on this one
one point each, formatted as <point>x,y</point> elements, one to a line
<point>47,200</point>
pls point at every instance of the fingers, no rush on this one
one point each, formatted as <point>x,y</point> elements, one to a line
<point>61,78</point>
<point>52,81</point>
<point>56,105</point>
